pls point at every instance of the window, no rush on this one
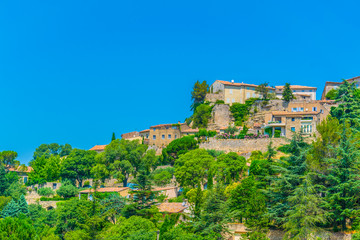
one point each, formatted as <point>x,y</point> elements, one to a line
<point>147,135</point>
<point>293,119</point>
<point>307,118</point>
<point>167,127</point>
<point>154,129</point>
<point>303,90</point>
<point>293,129</point>
<point>25,179</point>
<point>175,136</point>
<point>174,127</point>
<point>54,186</point>
<point>306,128</point>
<point>228,100</point>
<point>314,109</point>
<point>247,95</point>
<point>248,88</point>
<point>254,95</point>
<point>154,137</point>
<point>169,136</point>
<point>321,111</point>
<point>163,136</point>
<point>233,100</point>
<point>231,92</point>
<point>294,109</point>
<point>300,109</point>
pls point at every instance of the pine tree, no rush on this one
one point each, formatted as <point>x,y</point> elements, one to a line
<point>349,105</point>
<point>113,137</point>
<point>343,183</point>
<point>287,93</point>
<point>198,94</point>
<point>4,183</point>
<point>23,206</point>
<point>305,213</point>
<point>11,209</point>
<point>282,186</point>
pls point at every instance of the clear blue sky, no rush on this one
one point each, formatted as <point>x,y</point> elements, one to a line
<point>75,71</point>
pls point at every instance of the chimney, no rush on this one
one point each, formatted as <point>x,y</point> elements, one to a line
<point>232,81</point>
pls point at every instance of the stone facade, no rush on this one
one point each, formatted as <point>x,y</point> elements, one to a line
<point>161,135</point>
<point>300,92</point>
<point>213,97</point>
<point>242,145</point>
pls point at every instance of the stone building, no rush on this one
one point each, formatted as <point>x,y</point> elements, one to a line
<point>131,136</point>
<point>232,92</point>
<point>98,148</point>
<point>334,85</point>
<point>161,135</point>
<point>300,92</point>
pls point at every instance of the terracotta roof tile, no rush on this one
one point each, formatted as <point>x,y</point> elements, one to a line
<point>146,130</point>
<point>239,84</point>
<point>296,87</point>
<point>19,169</point>
<point>284,113</point>
<point>98,147</point>
<point>172,207</point>
<point>164,125</point>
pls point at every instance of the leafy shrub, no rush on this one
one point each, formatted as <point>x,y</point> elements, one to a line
<point>231,129</point>
<point>55,198</point>
<point>214,153</point>
<point>277,133</point>
<point>219,102</point>
<point>284,148</point>
<point>67,190</point>
<point>46,192</point>
<point>86,183</point>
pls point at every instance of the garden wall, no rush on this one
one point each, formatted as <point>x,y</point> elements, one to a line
<point>242,145</point>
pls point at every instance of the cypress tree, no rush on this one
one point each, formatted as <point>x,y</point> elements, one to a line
<point>113,137</point>
<point>4,183</point>
<point>287,93</point>
<point>10,210</point>
<point>23,206</point>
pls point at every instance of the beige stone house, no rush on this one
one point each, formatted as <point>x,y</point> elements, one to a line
<point>300,92</point>
<point>98,148</point>
<point>131,136</point>
<point>334,85</point>
<point>231,92</point>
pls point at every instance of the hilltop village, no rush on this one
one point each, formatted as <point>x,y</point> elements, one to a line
<point>251,162</point>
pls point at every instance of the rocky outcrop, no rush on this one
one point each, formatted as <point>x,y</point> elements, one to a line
<point>220,117</point>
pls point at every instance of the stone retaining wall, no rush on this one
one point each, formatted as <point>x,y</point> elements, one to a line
<point>242,145</point>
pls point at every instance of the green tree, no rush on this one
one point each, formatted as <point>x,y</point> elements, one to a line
<point>128,228</point>
<point>348,109</point>
<point>247,202</point>
<point>47,150</point>
<point>263,90</point>
<point>201,116</point>
<point>192,168</point>
<point>46,191</point>
<point>343,183</point>
<point>198,94</point>
<point>305,214</point>
<point>45,169</point>
<point>11,209</point>
<point>229,167</point>
<point>331,95</point>
<point>290,172</point>
<point>239,112</point>
<point>7,158</point>
<point>177,147</point>
<point>214,216</point>
<point>77,166</point>
<point>16,228</point>
<point>113,137</point>
<point>4,184</point>
<point>287,94</point>
<point>112,206</point>
<point>231,129</point>
<point>67,190</point>
<point>23,206</point>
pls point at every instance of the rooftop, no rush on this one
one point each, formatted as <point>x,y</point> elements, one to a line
<point>190,130</point>
<point>144,131</point>
<point>285,113</point>
<point>20,169</point>
<point>238,84</point>
<point>164,125</point>
<point>173,207</point>
<point>296,87</point>
<point>98,147</point>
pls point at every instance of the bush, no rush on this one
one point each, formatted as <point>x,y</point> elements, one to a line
<point>67,190</point>
<point>277,133</point>
<point>55,198</point>
<point>219,102</point>
<point>46,192</point>
<point>214,153</point>
<point>212,133</point>
<point>284,148</point>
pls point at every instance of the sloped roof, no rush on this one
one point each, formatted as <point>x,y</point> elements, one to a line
<point>20,169</point>
<point>172,207</point>
<point>285,113</point>
<point>238,84</point>
<point>296,87</point>
<point>146,130</point>
<point>98,147</point>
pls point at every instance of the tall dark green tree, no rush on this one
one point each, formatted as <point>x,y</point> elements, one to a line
<point>23,206</point>
<point>4,184</point>
<point>305,215</point>
<point>11,209</point>
<point>287,94</point>
<point>290,170</point>
<point>348,109</point>
<point>343,189</point>
<point>113,137</point>
<point>198,94</point>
